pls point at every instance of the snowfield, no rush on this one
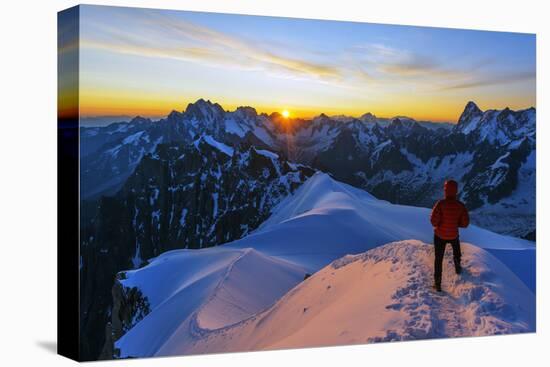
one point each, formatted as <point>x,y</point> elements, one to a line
<point>250,294</point>
<point>382,295</point>
<point>215,288</point>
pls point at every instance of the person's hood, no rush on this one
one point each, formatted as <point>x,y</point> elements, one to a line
<point>450,189</point>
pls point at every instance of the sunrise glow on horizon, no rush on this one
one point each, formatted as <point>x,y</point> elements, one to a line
<point>150,62</point>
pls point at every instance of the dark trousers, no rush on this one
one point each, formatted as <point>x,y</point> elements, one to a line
<point>440,245</point>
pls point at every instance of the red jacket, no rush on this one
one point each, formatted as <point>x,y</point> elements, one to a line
<point>449,214</point>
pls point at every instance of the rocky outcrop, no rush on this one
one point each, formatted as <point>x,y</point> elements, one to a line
<point>129,307</point>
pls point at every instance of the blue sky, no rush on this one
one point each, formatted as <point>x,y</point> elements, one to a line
<point>141,61</point>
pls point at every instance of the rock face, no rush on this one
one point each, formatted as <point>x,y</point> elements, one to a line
<point>130,306</point>
<point>198,195</point>
<point>399,159</point>
<point>111,154</point>
<point>491,154</point>
<point>182,196</point>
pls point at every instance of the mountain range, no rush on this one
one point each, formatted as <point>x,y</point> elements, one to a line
<point>491,153</point>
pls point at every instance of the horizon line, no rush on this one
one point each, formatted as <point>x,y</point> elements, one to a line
<point>160,116</point>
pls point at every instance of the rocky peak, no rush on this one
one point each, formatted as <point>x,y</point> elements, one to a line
<point>322,119</point>
<point>174,116</point>
<point>401,124</point>
<point>368,117</point>
<point>246,112</point>
<point>202,109</point>
<point>470,112</point>
<point>139,120</point>
<point>396,122</point>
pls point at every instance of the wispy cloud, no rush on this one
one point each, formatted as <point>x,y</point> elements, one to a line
<point>410,67</point>
<point>319,67</point>
<point>392,65</point>
<point>178,39</point>
<point>494,80</point>
<point>393,62</point>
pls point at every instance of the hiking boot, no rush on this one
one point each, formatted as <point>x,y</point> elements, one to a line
<point>458,269</point>
<point>437,287</point>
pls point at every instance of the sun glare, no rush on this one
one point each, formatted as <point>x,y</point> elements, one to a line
<point>286,114</point>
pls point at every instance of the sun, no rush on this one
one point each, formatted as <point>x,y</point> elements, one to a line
<point>285,114</point>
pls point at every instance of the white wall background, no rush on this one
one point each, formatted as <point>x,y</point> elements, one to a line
<point>28,181</point>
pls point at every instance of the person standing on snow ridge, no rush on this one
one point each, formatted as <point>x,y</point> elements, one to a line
<point>447,216</point>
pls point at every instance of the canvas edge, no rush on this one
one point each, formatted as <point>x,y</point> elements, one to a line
<point>68,218</point>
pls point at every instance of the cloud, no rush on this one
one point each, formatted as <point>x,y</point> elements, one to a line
<point>370,68</point>
<point>401,63</point>
<point>494,80</point>
<point>168,37</point>
<point>412,66</point>
<point>400,66</point>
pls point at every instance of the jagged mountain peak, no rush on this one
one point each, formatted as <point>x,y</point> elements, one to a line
<point>471,105</point>
<point>343,118</point>
<point>204,102</point>
<point>404,125</point>
<point>204,108</point>
<point>324,120</point>
<point>246,112</point>
<point>501,126</point>
<point>174,115</point>
<point>275,116</point>
<point>398,122</point>
<point>470,112</point>
<point>140,120</point>
<point>368,117</point>
<point>322,117</point>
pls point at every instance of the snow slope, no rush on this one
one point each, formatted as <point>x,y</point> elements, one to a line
<point>192,293</point>
<point>381,295</point>
<point>218,284</point>
<point>326,219</point>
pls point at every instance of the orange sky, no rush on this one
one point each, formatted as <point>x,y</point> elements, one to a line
<point>150,62</point>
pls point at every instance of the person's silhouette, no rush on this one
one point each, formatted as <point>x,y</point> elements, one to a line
<point>447,216</point>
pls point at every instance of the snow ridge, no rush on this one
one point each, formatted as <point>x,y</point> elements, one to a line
<point>194,289</point>
<point>382,295</point>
